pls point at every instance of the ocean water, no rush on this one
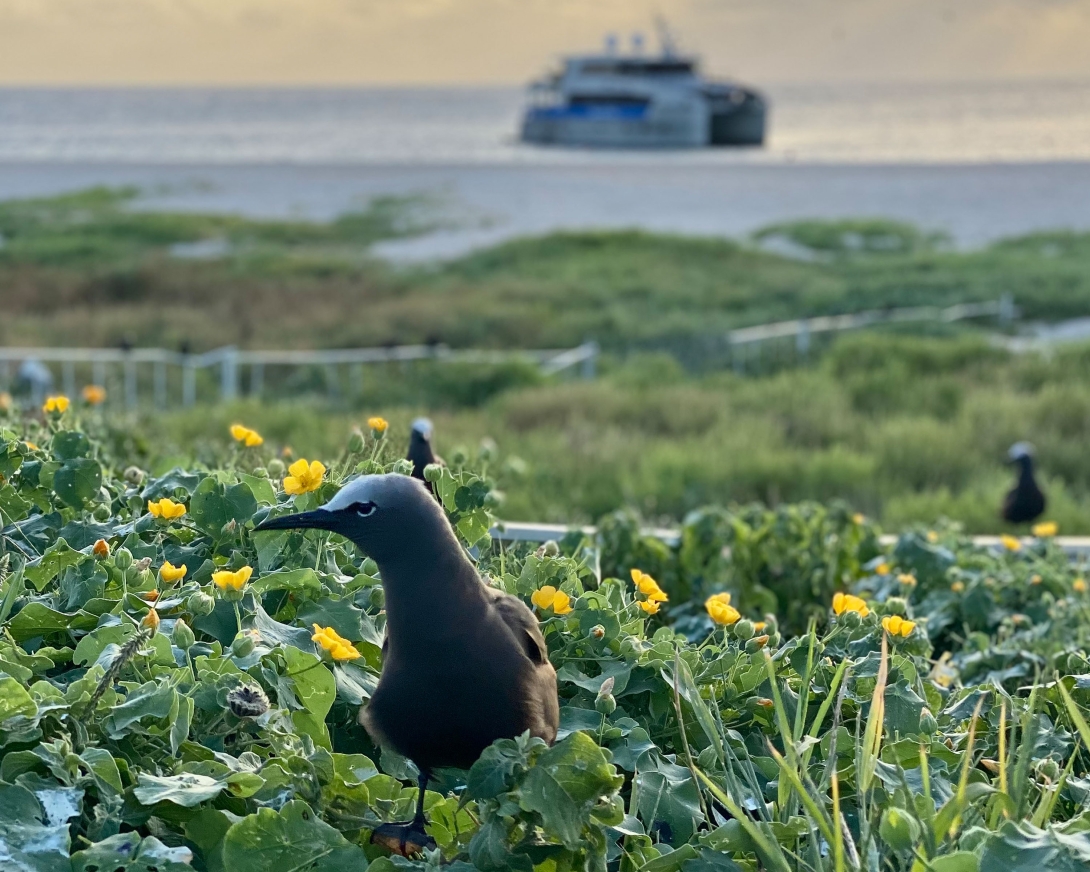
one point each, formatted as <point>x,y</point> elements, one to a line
<point>944,123</point>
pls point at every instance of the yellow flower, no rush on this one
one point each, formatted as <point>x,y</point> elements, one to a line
<point>1045,529</point>
<point>170,573</point>
<point>881,569</point>
<point>895,625</point>
<point>846,602</point>
<point>166,509</point>
<point>227,580</point>
<point>649,587</point>
<point>32,446</point>
<point>1079,585</point>
<point>249,438</point>
<point>1035,579</point>
<point>94,395</point>
<point>150,596</point>
<point>151,621</point>
<point>649,606</point>
<point>1011,543</point>
<point>378,425</point>
<point>932,536</point>
<point>759,625</point>
<point>549,597</point>
<point>58,404</point>
<point>907,579</point>
<point>338,647</point>
<point>721,611</point>
<point>859,518</point>
<point>5,401</point>
<point>957,586</point>
<point>101,548</point>
<point>304,477</point>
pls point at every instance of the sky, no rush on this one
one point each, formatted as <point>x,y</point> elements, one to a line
<point>305,42</point>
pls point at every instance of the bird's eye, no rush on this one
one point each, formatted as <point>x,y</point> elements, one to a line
<point>365,510</point>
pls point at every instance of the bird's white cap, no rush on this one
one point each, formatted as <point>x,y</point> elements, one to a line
<point>1019,450</point>
<point>423,426</point>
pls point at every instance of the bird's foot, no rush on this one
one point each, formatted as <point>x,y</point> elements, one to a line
<point>407,838</point>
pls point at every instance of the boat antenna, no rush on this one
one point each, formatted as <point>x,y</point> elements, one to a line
<point>666,38</point>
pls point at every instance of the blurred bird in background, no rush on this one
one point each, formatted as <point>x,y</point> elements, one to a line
<point>420,451</point>
<point>1025,502</point>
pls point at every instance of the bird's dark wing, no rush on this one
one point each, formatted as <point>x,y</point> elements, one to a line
<point>523,626</point>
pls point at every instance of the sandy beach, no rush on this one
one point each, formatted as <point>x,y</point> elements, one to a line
<point>483,205</point>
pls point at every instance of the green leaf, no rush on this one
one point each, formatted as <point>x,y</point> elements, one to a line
<point>291,840</point>
<point>29,841</point>
<point>213,505</point>
<point>304,581</point>
<point>150,700</point>
<point>261,488</point>
<point>564,784</point>
<point>78,481</point>
<point>1024,848</point>
<point>186,789</point>
<point>69,444</point>
<point>339,614</point>
<point>127,852</point>
<point>959,861</point>
<point>668,795</point>
<point>59,556</point>
<point>14,699</point>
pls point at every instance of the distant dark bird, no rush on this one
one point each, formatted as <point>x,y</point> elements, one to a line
<point>1025,502</point>
<point>464,664</point>
<point>420,451</point>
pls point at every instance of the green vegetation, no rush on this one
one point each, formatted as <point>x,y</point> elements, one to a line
<point>90,269</point>
<point>154,719</point>
<point>910,423</point>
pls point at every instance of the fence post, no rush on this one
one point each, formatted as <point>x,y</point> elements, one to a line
<point>98,373</point>
<point>189,382</point>
<point>802,338</point>
<point>257,379</point>
<point>130,384</point>
<point>1006,309</point>
<point>229,373</point>
<point>160,384</point>
<point>590,360</point>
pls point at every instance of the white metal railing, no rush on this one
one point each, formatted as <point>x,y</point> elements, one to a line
<point>521,531</point>
<point>231,361</point>
<point>748,340</point>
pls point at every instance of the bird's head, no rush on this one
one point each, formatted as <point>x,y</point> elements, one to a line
<point>386,516</point>
<point>422,430</point>
<point>1020,454</point>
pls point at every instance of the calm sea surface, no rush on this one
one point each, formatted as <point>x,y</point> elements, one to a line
<point>941,123</point>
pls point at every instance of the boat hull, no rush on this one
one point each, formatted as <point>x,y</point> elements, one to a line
<point>692,124</point>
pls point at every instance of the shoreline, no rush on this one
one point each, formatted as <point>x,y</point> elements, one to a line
<point>480,205</point>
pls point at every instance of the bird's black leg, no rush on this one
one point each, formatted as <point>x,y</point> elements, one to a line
<point>407,838</point>
<point>422,782</point>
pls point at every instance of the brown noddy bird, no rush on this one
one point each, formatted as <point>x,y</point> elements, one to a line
<point>1025,502</point>
<point>420,451</point>
<point>464,664</point>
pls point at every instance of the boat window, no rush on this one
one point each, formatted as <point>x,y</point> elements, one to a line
<point>607,100</point>
<point>638,68</point>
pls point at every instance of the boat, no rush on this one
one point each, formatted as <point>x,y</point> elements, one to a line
<point>633,100</point>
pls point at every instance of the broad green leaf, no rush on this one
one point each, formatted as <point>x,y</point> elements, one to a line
<point>291,840</point>
<point>78,481</point>
<point>303,581</point>
<point>69,444</point>
<point>185,789</point>
<point>29,841</point>
<point>14,699</point>
<point>127,852</point>
<point>214,505</point>
<point>59,556</point>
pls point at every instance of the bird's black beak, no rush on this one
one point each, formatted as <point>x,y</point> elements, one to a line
<point>319,519</point>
